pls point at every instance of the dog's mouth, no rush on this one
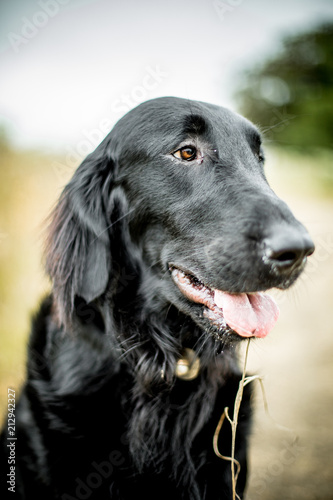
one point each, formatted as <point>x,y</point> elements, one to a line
<point>246,314</point>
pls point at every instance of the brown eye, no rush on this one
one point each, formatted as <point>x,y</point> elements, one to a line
<point>187,153</point>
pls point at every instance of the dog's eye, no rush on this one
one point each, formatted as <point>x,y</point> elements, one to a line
<point>187,153</point>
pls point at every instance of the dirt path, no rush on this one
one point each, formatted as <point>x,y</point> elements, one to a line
<point>296,362</point>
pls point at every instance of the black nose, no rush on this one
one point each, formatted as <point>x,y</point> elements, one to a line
<point>287,247</point>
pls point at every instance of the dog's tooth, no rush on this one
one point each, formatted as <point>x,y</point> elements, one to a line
<point>218,298</point>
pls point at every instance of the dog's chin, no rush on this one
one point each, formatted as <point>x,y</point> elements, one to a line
<point>229,317</point>
<point>224,336</point>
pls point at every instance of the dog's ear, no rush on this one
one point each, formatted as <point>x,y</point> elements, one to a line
<point>78,257</point>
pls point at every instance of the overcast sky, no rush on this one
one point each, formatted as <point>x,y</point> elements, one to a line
<point>71,68</point>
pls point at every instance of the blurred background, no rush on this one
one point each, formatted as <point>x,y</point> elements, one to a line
<point>71,68</point>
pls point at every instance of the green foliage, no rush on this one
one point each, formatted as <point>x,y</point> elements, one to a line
<point>291,95</point>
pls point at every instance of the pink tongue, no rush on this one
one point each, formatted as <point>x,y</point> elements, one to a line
<point>250,315</point>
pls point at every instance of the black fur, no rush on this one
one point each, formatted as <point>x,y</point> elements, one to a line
<point>102,414</point>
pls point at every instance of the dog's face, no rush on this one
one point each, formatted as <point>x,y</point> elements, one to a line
<point>205,217</point>
<point>210,232</point>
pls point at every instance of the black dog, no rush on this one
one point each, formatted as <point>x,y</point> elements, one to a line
<point>159,250</point>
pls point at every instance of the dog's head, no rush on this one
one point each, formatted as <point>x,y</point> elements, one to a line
<point>175,201</point>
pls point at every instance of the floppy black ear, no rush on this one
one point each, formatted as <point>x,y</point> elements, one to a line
<point>78,257</point>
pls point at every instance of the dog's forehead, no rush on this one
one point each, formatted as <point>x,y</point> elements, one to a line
<point>193,114</point>
<point>168,120</point>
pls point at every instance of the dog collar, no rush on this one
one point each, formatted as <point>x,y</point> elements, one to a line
<point>188,366</point>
